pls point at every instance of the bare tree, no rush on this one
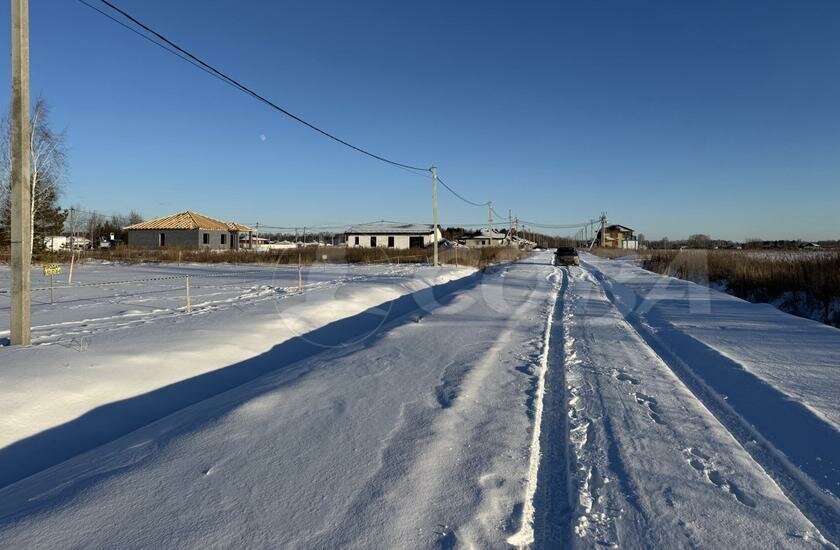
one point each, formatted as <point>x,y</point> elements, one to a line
<point>699,240</point>
<point>48,171</point>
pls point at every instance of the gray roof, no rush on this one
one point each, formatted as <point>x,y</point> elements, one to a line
<point>487,234</point>
<point>390,229</point>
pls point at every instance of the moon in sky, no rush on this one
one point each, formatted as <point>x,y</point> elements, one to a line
<point>262,137</point>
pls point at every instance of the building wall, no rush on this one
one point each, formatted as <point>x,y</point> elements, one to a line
<point>179,238</point>
<point>401,242</point>
<point>619,239</point>
<point>482,242</point>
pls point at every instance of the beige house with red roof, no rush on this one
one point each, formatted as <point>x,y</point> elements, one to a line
<point>187,230</point>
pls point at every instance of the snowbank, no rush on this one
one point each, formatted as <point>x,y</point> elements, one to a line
<point>119,350</point>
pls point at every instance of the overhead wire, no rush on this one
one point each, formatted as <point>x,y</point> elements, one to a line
<point>171,47</point>
<point>232,81</point>
<point>466,200</point>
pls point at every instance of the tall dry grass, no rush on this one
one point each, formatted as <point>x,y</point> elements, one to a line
<point>468,257</point>
<point>613,252</point>
<point>799,282</point>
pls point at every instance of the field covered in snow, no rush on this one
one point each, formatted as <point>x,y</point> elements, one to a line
<point>414,407</point>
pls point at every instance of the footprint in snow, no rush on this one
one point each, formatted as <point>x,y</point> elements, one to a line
<point>624,377</point>
<point>702,463</point>
<point>652,407</point>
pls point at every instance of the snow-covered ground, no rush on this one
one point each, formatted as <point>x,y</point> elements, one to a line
<point>98,345</point>
<point>391,440</point>
<point>652,466</point>
<point>403,407</point>
<point>107,297</point>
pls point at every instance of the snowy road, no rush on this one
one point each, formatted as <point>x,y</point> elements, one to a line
<point>529,405</point>
<point>651,465</point>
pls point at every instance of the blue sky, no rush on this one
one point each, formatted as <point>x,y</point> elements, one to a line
<point>674,117</point>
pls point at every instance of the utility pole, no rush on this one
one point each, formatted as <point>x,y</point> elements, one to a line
<point>435,212</point>
<point>20,173</point>
<point>490,215</point>
<point>603,229</point>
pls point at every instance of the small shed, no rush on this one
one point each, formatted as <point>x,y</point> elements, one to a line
<point>187,230</point>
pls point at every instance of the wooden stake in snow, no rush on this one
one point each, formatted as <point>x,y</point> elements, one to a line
<point>189,305</point>
<point>300,277</point>
<point>72,257</point>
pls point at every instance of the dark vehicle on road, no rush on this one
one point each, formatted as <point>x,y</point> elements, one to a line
<point>566,255</point>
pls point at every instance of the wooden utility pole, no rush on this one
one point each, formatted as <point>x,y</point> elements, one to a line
<point>603,229</point>
<point>20,174</point>
<point>435,212</point>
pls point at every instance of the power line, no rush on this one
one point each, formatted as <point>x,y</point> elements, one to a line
<point>481,204</point>
<point>158,44</point>
<point>194,60</point>
<point>553,226</point>
<point>185,55</point>
<point>173,48</point>
<point>497,214</point>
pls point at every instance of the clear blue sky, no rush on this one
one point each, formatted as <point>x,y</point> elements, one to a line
<point>675,117</point>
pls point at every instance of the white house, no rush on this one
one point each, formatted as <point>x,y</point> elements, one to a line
<point>486,237</point>
<point>246,241</point>
<point>388,235</point>
<point>62,242</point>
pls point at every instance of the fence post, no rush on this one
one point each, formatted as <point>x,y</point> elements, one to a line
<point>52,290</point>
<point>189,305</point>
<point>70,274</point>
<point>300,277</point>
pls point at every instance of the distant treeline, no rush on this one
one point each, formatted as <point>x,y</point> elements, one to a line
<point>705,242</point>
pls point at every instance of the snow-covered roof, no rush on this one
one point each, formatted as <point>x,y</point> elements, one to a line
<point>521,240</point>
<point>487,234</point>
<point>390,229</point>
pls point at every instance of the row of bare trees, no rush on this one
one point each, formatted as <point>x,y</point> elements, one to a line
<point>48,176</point>
<point>97,226</point>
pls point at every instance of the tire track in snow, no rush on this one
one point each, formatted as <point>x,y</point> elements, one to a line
<point>820,507</point>
<point>594,458</point>
<point>525,535</point>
